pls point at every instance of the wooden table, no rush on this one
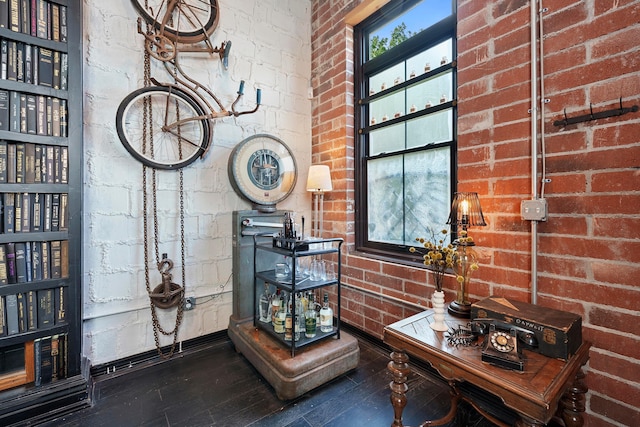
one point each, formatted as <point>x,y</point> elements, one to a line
<point>548,387</point>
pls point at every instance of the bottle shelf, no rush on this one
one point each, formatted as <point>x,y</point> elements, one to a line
<point>303,341</point>
<point>301,285</point>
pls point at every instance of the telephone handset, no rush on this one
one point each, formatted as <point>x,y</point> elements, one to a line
<point>502,344</point>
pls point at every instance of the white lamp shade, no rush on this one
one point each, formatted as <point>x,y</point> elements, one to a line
<point>319,179</point>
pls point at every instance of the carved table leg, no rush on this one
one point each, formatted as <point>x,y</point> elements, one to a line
<point>399,369</point>
<point>572,402</point>
<point>527,422</point>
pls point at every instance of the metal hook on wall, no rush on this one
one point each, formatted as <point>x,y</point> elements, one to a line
<point>595,116</point>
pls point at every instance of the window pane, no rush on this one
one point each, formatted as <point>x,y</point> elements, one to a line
<point>387,140</point>
<point>431,58</point>
<point>427,190</point>
<point>386,200</point>
<point>411,22</point>
<point>403,208</point>
<point>430,92</point>
<point>386,78</point>
<point>430,129</point>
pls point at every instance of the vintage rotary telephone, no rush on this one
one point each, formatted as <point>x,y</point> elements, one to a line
<point>503,342</point>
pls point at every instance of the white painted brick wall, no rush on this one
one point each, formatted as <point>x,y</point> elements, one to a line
<point>270,50</point>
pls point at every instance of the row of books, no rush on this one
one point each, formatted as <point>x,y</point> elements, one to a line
<point>23,262</point>
<point>50,355</point>
<point>36,65</point>
<point>34,212</point>
<point>33,114</point>
<point>28,163</point>
<point>38,18</point>
<point>33,310</point>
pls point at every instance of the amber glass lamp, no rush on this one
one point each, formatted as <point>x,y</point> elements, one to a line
<point>465,212</point>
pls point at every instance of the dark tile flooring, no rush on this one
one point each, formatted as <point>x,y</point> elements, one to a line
<point>216,386</point>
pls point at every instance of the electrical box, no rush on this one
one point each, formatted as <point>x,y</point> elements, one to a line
<point>534,210</point>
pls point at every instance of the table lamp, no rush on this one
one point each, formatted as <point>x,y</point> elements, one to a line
<point>319,181</point>
<point>465,212</point>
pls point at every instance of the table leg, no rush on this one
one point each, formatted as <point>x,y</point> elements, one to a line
<point>572,402</point>
<point>399,368</point>
<point>528,422</point>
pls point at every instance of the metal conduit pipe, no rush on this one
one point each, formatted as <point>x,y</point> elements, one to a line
<point>534,151</point>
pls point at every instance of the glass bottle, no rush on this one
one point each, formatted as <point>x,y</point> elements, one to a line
<point>275,306</point>
<point>265,305</point>
<point>310,318</point>
<point>288,323</point>
<point>278,325</point>
<point>326,316</point>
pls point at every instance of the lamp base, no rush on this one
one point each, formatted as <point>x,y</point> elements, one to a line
<point>460,310</point>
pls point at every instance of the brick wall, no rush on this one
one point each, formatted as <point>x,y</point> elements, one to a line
<point>589,248</point>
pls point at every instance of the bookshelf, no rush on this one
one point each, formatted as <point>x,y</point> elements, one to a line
<point>41,199</point>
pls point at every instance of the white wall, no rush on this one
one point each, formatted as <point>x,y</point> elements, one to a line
<point>271,50</point>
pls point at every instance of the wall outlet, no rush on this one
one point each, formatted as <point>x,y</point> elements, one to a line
<point>189,303</point>
<point>534,210</point>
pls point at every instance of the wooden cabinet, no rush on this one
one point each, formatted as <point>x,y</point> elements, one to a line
<point>41,196</point>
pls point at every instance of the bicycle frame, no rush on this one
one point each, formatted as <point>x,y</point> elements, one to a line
<point>183,82</point>
<point>194,88</point>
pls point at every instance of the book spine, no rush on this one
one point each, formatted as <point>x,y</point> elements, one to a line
<point>32,310</point>
<point>3,317</point>
<point>3,266</point>
<point>36,212</point>
<point>45,308</point>
<point>61,305</point>
<point>21,263</point>
<point>14,15</point>
<point>22,312</point>
<point>36,261</point>
<point>4,110</point>
<point>11,302</point>
<point>32,117</point>
<point>12,274</point>
<point>4,57</point>
<point>8,214</point>
<point>29,163</point>
<point>14,111</point>
<point>11,163</point>
<point>26,213</point>
<point>46,261</point>
<point>56,259</point>
<point>3,161</point>
<point>4,14</point>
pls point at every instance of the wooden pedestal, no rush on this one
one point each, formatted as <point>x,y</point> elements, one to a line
<point>312,366</point>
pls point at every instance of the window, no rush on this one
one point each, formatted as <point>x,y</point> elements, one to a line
<point>405,87</point>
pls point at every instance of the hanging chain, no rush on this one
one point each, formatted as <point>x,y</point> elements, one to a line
<point>148,136</point>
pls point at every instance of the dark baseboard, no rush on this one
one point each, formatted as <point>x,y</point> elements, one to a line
<point>29,405</point>
<point>151,357</point>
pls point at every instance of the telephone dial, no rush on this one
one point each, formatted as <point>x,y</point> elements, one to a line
<point>503,342</point>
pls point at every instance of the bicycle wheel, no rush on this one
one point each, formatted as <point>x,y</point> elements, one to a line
<point>191,21</point>
<point>167,145</point>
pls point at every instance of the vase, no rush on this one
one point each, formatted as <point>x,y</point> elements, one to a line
<point>437,301</point>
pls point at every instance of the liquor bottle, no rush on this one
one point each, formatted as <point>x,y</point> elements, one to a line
<point>326,316</point>
<point>288,323</point>
<point>310,318</point>
<point>278,325</point>
<point>275,306</point>
<point>265,305</point>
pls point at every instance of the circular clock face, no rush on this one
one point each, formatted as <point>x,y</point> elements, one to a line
<point>262,169</point>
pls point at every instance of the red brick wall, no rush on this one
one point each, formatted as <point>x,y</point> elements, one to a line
<point>589,248</point>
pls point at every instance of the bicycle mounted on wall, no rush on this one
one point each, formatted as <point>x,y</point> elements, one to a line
<point>180,127</point>
<point>167,126</point>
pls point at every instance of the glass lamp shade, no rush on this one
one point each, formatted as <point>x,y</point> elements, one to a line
<point>319,179</point>
<point>466,211</point>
